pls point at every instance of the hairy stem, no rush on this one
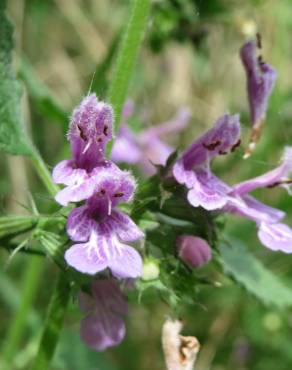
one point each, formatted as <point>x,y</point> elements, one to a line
<point>127,56</point>
<point>43,173</point>
<point>32,274</point>
<point>31,278</point>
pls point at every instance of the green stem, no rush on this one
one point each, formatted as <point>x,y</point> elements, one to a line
<point>31,276</point>
<point>53,325</point>
<point>61,294</point>
<point>43,172</point>
<point>127,56</point>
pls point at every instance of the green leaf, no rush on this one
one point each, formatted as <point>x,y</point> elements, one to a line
<point>31,281</point>
<point>127,57</point>
<point>100,80</point>
<point>12,138</point>
<point>11,226</point>
<point>146,194</point>
<point>53,324</point>
<point>82,357</point>
<point>255,278</point>
<point>54,246</point>
<point>44,101</point>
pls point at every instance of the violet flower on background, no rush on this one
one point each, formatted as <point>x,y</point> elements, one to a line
<point>105,309</point>
<point>193,167</point>
<point>146,148</point>
<point>206,190</point>
<point>261,79</point>
<point>271,232</point>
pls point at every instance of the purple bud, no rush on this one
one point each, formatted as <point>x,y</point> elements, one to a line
<point>194,251</point>
<point>261,78</point>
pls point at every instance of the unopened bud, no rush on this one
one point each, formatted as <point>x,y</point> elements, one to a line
<point>150,270</point>
<point>194,251</point>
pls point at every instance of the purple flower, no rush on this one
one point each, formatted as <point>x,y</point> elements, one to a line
<point>146,148</point>
<point>277,177</point>
<point>90,130</point>
<point>194,251</point>
<point>103,325</point>
<point>261,78</point>
<point>100,229</point>
<point>277,237</point>
<point>106,180</point>
<point>192,168</point>
<point>271,232</point>
<point>102,235</point>
<point>206,190</point>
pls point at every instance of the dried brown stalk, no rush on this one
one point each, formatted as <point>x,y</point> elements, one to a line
<point>180,352</point>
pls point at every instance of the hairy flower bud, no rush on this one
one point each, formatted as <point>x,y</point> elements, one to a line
<point>194,251</point>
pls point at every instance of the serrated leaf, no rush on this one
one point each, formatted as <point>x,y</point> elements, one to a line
<point>12,138</point>
<point>254,276</point>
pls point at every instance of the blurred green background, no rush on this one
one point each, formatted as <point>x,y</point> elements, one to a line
<point>189,58</point>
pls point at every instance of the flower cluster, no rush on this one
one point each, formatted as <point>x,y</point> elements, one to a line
<point>101,231</point>
<point>205,189</point>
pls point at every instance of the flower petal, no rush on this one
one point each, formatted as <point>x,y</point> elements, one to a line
<point>276,237</point>
<point>273,215</point>
<point>156,151</point>
<point>271,178</point>
<point>101,334</point>
<point>125,148</point>
<point>105,250</point>
<point>124,227</point>
<point>117,185</point>
<point>66,173</point>
<point>254,210</point>
<point>76,193</point>
<point>208,191</point>
<point>108,293</point>
<point>104,326</point>
<point>184,176</point>
<point>79,224</point>
<point>84,258</point>
<point>261,78</point>
<point>107,180</point>
<point>127,264</point>
<point>222,138</point>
